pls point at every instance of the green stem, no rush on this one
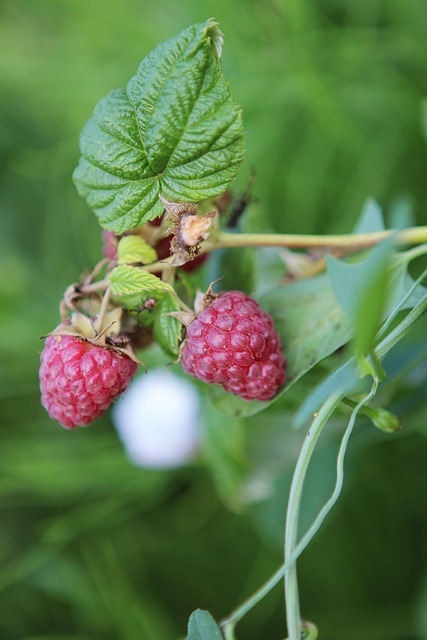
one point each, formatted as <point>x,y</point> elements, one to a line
<point>292,516</point>
<point>401,330</point>
<point>228,624</point>
<point>416,252</point>
<point>353,241</point>
<point>382,349</point>
<point>291,585</point>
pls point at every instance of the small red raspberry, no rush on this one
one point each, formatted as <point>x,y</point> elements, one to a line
<point>79,380</point>
<point>233,343</point>
<point>109,244</point>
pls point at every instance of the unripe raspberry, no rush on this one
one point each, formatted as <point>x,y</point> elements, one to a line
<point>80,380</point>
<point>233,343</point>
<point>109,244</point>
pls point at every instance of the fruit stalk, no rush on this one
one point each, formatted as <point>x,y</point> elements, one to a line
<point>353,241</point>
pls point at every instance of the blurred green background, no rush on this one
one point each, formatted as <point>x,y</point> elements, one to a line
<point>93,548</point>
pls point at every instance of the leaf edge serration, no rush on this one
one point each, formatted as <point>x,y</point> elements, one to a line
<point>107,172</point>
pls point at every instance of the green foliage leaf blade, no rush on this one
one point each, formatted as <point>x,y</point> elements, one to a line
<point>362,290</point>
<point>371,218</point>
<point>175,130</point>
<point>135,249</point>
<point>224,449</point>
<point>167,329</point>
<point>126,280</point>
<point>201,626</point>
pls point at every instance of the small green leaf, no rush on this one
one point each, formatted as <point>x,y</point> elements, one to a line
<point>167,329</point>
<point>362,290</point>
<point>309,631</point>
<point>382,419</point>
<point>371,218</point>
<point>401,213</point>
<point>174,130</point>
<point>127,280</point>
<point>311,325</point>
<point>133,249</point>
<point>201,626</point>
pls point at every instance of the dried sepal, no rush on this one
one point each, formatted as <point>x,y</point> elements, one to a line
<point>176,209</point>
<point>110,335</point>
<point>193,228</point>
<point>189,230</point>
<point>185,317</point>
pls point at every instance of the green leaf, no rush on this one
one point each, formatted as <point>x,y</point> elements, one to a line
<point>224,450</point>
<point>371,218</point>
<point>167,329</point>
<point>345,379</point>
<point>133,249</point>
<point>236,269</point>
<point>174,130</point>
<point>127,280</point>
<point>362,290</point>
<point>201,626</point>
<point>401,213</point>
<point>311,325</point>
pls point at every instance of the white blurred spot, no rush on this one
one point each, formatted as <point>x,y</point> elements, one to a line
<point>158,420</point>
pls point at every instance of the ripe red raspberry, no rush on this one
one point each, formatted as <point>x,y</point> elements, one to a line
<point>233,342</point>
<point>79,380</point>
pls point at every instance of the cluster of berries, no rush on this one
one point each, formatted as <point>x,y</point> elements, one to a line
<point>231,341</point>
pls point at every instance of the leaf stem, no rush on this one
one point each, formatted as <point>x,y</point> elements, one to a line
<point>291,528</point>
<point>312,437</point>
<point>352,241</point>
<point>230,622</point>
<point>292,604</point>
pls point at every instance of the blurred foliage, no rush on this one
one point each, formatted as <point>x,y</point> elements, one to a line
<point>93,548</point>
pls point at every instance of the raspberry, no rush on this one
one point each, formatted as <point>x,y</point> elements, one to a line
<point>109,244</point>
<point>233,343</point>
<point>79,380</point>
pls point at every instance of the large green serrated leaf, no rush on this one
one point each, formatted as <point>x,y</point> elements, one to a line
<point>201,626</point>
<point>135,249</point>
<point>311,325</point>
<point>167,329</point>
<point>174,130</point>
<point>126,280</point>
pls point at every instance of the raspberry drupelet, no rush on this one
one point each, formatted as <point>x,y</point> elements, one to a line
<point>79,380</point>
<point>233,343</point>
